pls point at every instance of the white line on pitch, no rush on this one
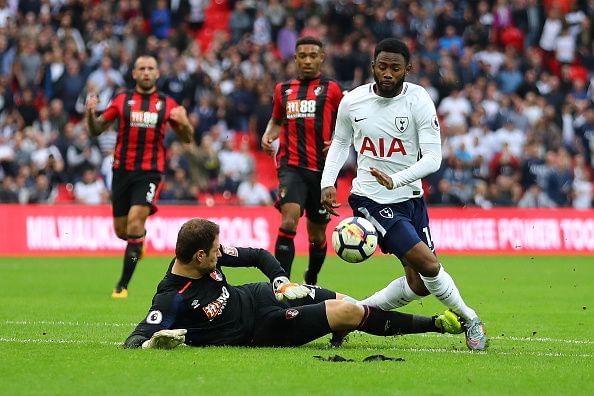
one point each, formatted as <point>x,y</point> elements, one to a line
<point>513,338</point>
<point>427,350</point>
<point>66,323</point>
<point>54,341</point>
<point>108,324</point>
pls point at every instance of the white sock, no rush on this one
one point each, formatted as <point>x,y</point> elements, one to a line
<point>397,294</point>
<point>443,287</point>
<point>350,299</point>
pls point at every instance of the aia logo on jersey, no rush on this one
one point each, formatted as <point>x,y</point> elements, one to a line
<point>401,123</point>
<point>216,275</point>
<point>291,313</point>
<point>379,148</point>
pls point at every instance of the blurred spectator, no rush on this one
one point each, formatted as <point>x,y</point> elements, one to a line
<point>90,190</point>
<point>443,195</point>
<point>179,189</point>
<point>559,179</point>
<point>287,38</point>
<point>252,193</point>
<point>41,192</point>
<point>161,20</point>
<point>8,191</point>
<point>69,86</point>
<point>497,61</point>
<point>534,197</point>
<point>82,155</point>
<point>240,22</point>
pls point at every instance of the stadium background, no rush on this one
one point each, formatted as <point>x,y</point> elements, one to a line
<point>512,82</point>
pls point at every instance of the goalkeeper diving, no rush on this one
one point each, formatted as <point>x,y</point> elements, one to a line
<point>195,305</point>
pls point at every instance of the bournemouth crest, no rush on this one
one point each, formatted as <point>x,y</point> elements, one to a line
<point>216,275</point>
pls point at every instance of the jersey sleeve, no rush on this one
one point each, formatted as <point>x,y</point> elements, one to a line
<point>339,148</point>
<point>429,143</point>
<point>338,95</point>
<point>114,109</point>
<point>161,315</point>
<point>250,257</point>
<point>277,103</point>
<point>426,119</point>
<point>170,104</point>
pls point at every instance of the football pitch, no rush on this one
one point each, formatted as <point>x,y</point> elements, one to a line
<point>61,334</point>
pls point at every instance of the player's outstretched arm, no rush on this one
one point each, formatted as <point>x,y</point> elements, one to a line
<point>96,125</point>
<point>285,289</point>
<point>181,124</point>
<point>165,339</point>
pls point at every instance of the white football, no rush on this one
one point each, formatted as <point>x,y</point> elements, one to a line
<point>354,239</point>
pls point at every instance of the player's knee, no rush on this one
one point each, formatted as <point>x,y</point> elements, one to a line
<point>289,223</point>
<point>121,233</point>
<point>317,240</point>
<point>343,315</point>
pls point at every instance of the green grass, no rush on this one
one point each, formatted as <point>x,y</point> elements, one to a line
<point>60,334</point>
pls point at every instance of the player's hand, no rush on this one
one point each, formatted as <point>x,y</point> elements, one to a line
<point>165,339</point>
<point>326,146</point>
<point>267,144</point>
<point>178,114</point>
<point>92,100</point>
<point>382,178</point>
<point>328,200</point>
<point>285,289</point>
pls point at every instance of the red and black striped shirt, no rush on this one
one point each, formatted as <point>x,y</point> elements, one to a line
<point>308,110</point>
<point>142,119</point>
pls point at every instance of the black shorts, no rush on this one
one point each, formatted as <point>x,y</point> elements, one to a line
<point>292,322</point>
<point>134,188</point>
<point>302,186</point>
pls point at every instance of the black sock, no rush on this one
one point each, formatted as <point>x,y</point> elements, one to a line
<point>388,323</point>
<point>284,250</point>
<point>133,252</point>
<point>317,255</point>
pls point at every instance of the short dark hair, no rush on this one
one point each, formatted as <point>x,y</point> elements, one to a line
<point>196,234</point>
<point>392,45</point>
<point>308,40</point>
<point>148,56</point>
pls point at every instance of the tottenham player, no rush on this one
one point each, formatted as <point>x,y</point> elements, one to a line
<point>195,304</point>
<point>395,131</point>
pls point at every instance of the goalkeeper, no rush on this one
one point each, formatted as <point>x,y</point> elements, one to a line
<point>195,305</point>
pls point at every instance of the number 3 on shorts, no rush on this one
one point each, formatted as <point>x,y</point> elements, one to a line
<point>150,195</point>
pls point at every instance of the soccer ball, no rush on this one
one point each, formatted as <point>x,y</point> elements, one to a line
<point>354,239</point>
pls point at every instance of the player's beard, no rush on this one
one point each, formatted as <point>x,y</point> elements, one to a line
<point>388,93</point>
<point>146,86</point>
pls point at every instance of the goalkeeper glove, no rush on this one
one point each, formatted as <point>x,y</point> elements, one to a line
<point>165,339</point>
<point>283,288</point>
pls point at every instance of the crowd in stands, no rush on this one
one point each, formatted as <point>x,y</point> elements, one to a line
<point>513,82</point>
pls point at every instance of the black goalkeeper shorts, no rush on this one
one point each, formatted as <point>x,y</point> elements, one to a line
<point>291,323</point>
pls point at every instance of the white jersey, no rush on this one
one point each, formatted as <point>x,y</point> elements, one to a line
<point>399,136</point>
